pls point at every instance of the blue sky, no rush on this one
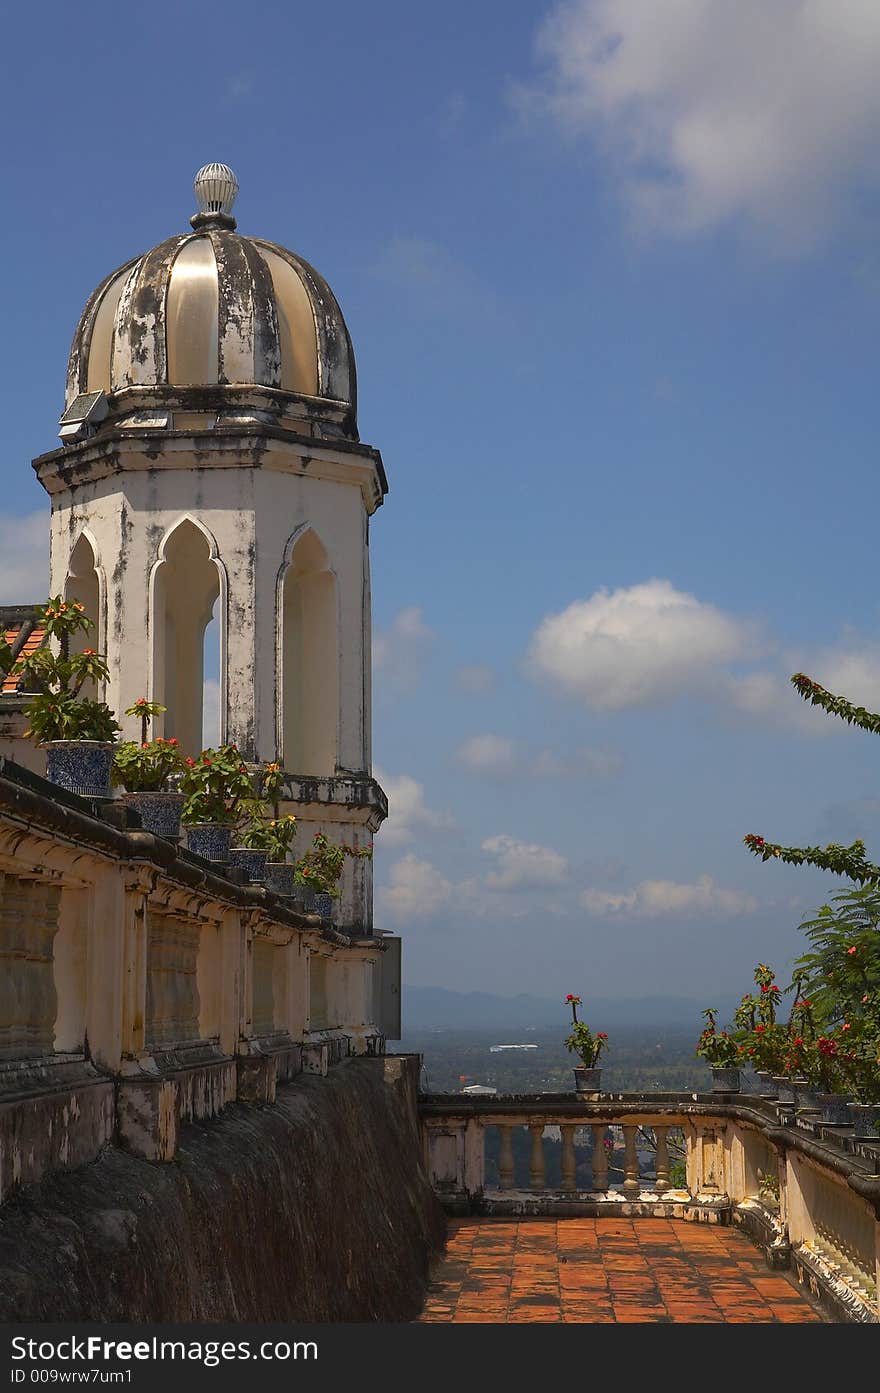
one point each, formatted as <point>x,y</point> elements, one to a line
<point>613,280</point>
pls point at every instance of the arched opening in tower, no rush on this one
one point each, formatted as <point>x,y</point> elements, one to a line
<point>187,586</point>
<point>83,585</point>
<point>309,661</point>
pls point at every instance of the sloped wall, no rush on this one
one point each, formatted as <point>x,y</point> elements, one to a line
<point>312,1209</point>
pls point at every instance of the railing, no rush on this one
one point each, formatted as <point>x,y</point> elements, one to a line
<point>140,988</point>
<point>807,1193</point>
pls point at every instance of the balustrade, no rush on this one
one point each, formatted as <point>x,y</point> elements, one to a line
<point>789,1187</point>
<point>152,988</point>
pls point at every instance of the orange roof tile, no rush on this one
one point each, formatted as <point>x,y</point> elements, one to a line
<point>35,639</point>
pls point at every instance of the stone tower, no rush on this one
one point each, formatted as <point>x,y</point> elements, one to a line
<point>211,464</point>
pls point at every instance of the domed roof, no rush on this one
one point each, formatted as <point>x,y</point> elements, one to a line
<point>213,308</point>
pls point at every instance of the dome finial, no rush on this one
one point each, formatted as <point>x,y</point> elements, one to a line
<point>216,188</point>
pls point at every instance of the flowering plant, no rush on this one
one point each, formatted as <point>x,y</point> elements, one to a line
<point>217,787</point>
<point>143,766</point>
<point>857,1054</point>
<point>275,834</point>
<point>582,1041</point>
<point>58,711</point>
<point>272,835</point>
<point>321,866</point>
<point>762,1041</point>
<point>717,1047</point>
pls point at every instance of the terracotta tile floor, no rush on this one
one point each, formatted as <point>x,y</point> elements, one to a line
<point>607,1270</point>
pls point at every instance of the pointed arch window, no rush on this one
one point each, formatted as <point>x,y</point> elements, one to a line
<point>188,580</point>
<point>83,583</point>
<point>309,658</point>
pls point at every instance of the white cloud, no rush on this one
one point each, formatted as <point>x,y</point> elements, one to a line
<point>584,763</point>
<point>476,678</point>
<point>652,899</point>
<point>523,865</point>
<point>24,558</point>
<point>765,111</point>
<point>408,813</point>
<point>498,757</point>
<point>849,668</point>
<point>399,651</point>
<point>416,890</point>
<point>631,647</point>
<point>488,754</point>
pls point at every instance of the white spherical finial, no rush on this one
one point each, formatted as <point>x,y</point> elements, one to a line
<point>216,187</point>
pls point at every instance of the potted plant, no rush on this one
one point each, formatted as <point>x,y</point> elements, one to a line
<point>217,789</point>
<point>78,732</point>
<point>721,1052</point>
<point>762,1040</point>
<point>265,843</point>
<point>264,840</point>
<point>320,869</point>
<point>860,1064</point>
<point>143,768</point>
<point>587,1046</point>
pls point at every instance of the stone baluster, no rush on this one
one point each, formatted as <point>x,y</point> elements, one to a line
<point>569,1162</point>
<point>536,1162</point>
<point>505,1158</point>
<point>599,1158</point>
<point>662,1166</point>
<point>631,1181</point>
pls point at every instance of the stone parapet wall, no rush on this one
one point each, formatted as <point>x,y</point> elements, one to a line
<point>141,988</point>
<point>316,1209</point>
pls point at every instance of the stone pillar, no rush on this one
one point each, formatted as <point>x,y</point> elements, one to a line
<point>631,1181</point>
<point>599,1160</point>
<point>106,968</point>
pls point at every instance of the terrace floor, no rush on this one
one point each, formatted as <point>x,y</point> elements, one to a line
<point>602,1271</point>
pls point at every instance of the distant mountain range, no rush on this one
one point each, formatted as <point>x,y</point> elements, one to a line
<point>432,1008</point>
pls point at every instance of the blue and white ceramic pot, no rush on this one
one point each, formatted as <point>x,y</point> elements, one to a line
<point>81,766</point>
<point>323,905</point>
<point>209,839</point>
<point>159,811</point>
<point>866,1120</point>
<point>254,862</point>
<point>280,878</point>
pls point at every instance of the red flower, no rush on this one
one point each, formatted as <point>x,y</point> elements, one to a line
<point>851,950</point>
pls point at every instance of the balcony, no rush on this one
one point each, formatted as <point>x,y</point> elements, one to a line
<point>761,1191</point>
